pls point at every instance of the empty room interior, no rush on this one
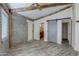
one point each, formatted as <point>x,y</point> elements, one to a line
<point>39,29</point>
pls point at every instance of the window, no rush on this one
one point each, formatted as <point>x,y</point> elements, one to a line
<point>4,24</point>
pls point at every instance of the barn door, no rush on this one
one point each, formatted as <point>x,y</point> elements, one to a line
<point>52,31</point>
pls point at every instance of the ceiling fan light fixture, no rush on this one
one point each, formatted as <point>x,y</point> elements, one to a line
<point>37,5</point>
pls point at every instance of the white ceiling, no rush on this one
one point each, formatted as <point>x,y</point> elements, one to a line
<point>34,14</point>
<point>37,13</point>
<point>19,5</point>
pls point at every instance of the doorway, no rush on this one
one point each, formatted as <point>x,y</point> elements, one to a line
<point>65,33</point>
<point>41,31</point>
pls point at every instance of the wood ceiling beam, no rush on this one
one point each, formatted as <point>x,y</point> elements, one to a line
<point>5,7</point>
<point>43,5</point>
<point>67,7</point>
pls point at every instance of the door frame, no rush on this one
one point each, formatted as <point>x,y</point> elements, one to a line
<point>69,21</point>
<point>42,23</point>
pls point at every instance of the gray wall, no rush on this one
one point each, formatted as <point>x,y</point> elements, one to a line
<point>20,29</point>
<point>52,31</point>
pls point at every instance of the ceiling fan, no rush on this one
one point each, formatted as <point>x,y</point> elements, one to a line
<point>37,5</point>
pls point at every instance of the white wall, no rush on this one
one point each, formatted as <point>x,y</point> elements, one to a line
<point>77,36</point>
<point>36,30</point>
<point>63,14</point>
<point>59,31</point>
<point>30,30</point>
<point>76,26</point>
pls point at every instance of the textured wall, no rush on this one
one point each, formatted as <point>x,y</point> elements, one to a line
<point>20,29</point>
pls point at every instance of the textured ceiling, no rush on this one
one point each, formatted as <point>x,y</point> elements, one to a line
<point>19,5</point>
<point>34,14</point>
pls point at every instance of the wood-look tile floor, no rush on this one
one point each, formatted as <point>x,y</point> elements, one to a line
<point>41,48</point>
